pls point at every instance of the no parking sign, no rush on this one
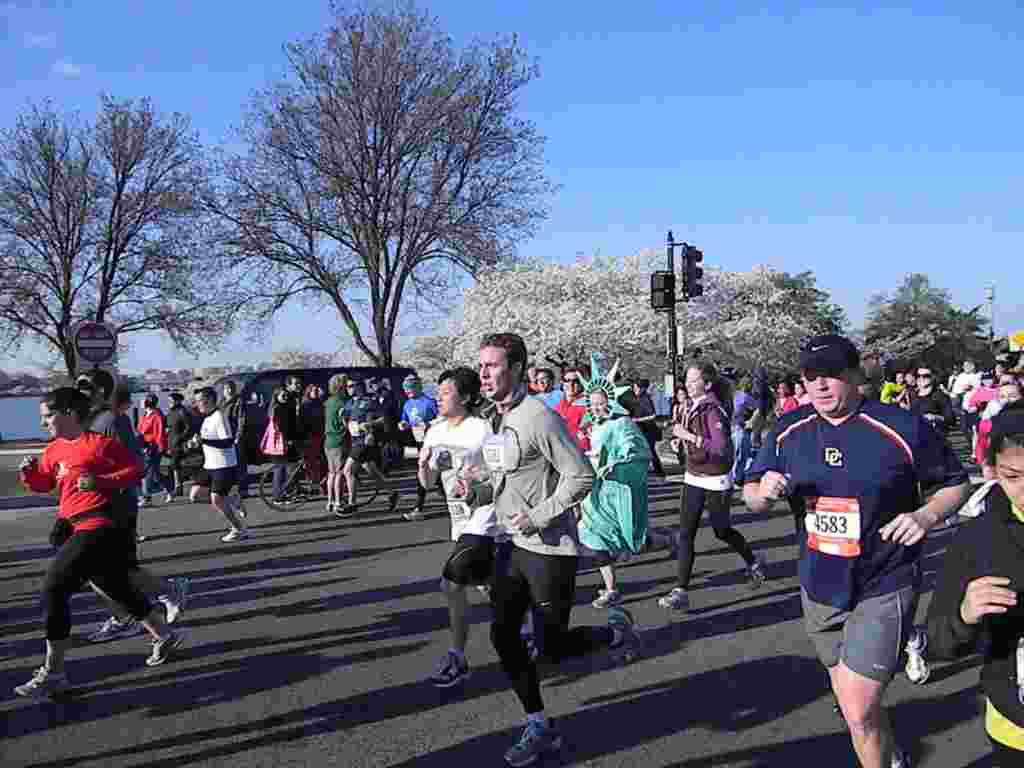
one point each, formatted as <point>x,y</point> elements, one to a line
<point>95,343</point>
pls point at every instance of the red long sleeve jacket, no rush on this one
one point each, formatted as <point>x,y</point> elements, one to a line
<point>64,461</point>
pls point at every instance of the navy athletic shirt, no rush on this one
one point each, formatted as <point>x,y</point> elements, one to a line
<point>850,480</point>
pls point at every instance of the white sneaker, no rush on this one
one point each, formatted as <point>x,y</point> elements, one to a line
<point>168,497</point>
<point>175,602</point>
<point>917,669</point>
<point>162,648</point>
<point>235,534</point>
<point>676,600</point>
<point>112,629</point>
<point>756,573</point>
<point>44,684</point>
<point>606,598</point>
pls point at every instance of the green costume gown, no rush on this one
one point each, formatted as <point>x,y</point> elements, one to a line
<point>615,511</point>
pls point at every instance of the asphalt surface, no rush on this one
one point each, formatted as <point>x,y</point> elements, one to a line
<point>309,643</point>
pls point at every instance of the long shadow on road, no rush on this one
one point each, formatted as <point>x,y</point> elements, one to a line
<point>717,700</point>
<point>175,691</point>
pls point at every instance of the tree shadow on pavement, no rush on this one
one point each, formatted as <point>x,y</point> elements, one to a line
<point>186,689</point>
<point>717,700</point>
<point>912,721</point>
<point>16,557</point>
<point>296,725</point>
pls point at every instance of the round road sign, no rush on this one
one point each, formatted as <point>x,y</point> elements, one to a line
<point>95,343</point>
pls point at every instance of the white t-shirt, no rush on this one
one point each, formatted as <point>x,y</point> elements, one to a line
<point>464,444</point>
<point>215,427</point>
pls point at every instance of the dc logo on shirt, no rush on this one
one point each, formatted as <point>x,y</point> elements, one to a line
<point>833,457</point>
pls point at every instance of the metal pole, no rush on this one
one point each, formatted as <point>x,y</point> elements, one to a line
<point>990,294</point>
<point>673,344</point>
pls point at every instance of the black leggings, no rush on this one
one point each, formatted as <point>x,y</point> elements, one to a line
<point>421,493</point>
<point>691,506</point>
<point>100,557</point>
<point>1005,756</point>
<point>547,583</point>
<point>652,444</point>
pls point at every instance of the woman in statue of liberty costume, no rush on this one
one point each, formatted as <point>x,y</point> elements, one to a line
<point>613,517</point>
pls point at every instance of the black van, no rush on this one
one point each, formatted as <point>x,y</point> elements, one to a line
<point>255,390</point>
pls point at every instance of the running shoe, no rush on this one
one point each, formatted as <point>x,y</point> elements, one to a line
<point>756,573</point>
<point>537,739</point>
<point>113,629</point>
<point>175,602</point>
<point>622,621</point>
<point>345,510</point>
<point>451,671</point>
<point>235,534</point>
<point>676,600</point>
<point>141,537</point>
<point>606,598</point>
<point>44,684</point>
<point>917,669</point>
<point>531,644</point>
<point>168,497</point>
<point>900,758</point>
<point>143,501</point>
<point>416,513</point>
<point>163,648</point>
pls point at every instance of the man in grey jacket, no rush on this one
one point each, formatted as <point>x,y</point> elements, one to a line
<point>537,477</point>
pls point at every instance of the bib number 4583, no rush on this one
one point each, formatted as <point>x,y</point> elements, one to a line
<point>834,526</point>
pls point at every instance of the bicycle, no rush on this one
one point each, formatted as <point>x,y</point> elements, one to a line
<point>300,488</point>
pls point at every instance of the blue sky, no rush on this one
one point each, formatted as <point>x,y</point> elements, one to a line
<point>861,142</point>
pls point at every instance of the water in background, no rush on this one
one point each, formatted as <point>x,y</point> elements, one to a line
<point>19,418</point>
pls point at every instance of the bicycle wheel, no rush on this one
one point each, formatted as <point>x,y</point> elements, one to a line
<point>367,492</point>
<point>293,494</point>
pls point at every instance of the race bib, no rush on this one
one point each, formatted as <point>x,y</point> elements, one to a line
<point>459,510</point>
<point>419,431</point>
<point>833,526</point>
<point>494,453</point>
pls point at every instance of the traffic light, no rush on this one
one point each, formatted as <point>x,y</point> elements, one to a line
<point>663,291</point>
<point>692,274</point>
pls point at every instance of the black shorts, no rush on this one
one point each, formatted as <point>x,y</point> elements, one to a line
<point>363,454</point>
<point>222,480</point>
<point>471,561</point>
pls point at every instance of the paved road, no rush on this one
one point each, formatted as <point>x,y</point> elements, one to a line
<point>309,643</point>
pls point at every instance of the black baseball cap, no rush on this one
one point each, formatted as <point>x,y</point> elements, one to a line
<point>828,355</point>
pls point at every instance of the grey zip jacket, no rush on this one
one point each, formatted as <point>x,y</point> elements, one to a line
<point>538,468</point>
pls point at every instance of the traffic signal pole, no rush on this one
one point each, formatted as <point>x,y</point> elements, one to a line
<point>673,342</point>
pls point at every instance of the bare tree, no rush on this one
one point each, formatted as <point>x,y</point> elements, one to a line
<point>381,171</point>
<point>105,222</point>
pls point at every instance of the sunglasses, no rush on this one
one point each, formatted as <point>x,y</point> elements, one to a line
<point>822,373</point>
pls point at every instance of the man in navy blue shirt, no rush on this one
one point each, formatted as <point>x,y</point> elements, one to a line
<point>856,469</point>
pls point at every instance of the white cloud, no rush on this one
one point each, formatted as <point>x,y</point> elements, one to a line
<point>66,68</point>
<point>41,40</point>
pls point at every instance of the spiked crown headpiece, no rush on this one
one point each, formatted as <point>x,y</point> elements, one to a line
<point>599,382</point>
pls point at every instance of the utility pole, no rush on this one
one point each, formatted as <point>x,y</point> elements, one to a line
<point>990,296</point>
<point>673,343</point>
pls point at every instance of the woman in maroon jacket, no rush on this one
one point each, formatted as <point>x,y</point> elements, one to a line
<point>706,436</point>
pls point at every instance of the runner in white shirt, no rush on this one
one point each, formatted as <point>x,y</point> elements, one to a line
<point>452,449</point>
<point>221,463</point>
